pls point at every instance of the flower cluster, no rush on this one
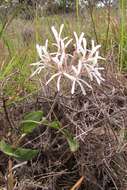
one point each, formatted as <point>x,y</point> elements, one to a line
<point>82,63</point>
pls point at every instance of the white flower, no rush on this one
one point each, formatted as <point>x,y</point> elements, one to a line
<point>61,65</point>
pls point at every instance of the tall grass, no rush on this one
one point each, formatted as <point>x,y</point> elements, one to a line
<point>123,36</point>
<point>77,8</point>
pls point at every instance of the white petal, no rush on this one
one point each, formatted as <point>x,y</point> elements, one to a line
<point>74,69</point>
<point>88,71</point>
<point>79,67</point>
<point>67,44</point>
<point>52,77</point>
<point>55,34</point>
<point>94,50</point>
<point>39,50</point>
<point>62,57</point>
<point>46,44</point>
<point>37,64</point>
<point>73,87</point>
<point>97,79</point>
<point>69,76</point>
<point>85,83</point>
<point>38,70</point>
<point>76,37</point>
<point>92,42</point>
<point>84,43</point>
<point>62,45</point>
<point>58,83</point>
<point>84,50</point>
<point>55,59</point>
<point>45,51</point>
<point>65,38</point>
<point>81,39</point>
<point>82,88</point>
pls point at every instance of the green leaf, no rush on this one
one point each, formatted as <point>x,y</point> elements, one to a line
<point>73,143</point>
<point>55,125</point>
<point>18,153</point>
<point>31,121</point>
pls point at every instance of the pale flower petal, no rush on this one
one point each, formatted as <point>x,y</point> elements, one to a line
<point>55,34</point>
<point>86,83</point>
<point>74,69</point>
<point>39,50</point>
<point>58,83</point>
<point>73,87</point>
<point>82,88</point>
<point>52,77</point>
<point>67,44</point>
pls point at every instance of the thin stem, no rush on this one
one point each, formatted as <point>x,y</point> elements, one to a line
<point>92,19</point>
<point>108,27</point>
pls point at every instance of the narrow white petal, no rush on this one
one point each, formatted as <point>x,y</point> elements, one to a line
<point>55,34</point>
<point>34,73</point>
<point>84,43</point>
<point>97,79</point>
<point>94,49</point>
<point>54,44</point>
<point>100,68</point>
<point>45,50</point>
<point>76,37</point>
<point>55,59</point>
<point>65,38</point>
<point>39,50</point>
<point>82,88</point>
<point>38,70</point>
<point>46,44</point>
<point>85,83</point>
<point>58,83</point>
<point>73,87</point>
<point>92,42</point>
<point>52,77</point>
<point>37,64</point>
<point>74,69</point>
<point>98,74</point>
<point>88,71</point>
<point>79,67</point>
<point>62,45</point>
<point>69,76</point>
<point>81,38</point>
<point>62,57</point>
<point>67,44</point>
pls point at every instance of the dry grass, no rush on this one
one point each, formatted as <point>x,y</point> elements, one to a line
<point>98,120</point>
